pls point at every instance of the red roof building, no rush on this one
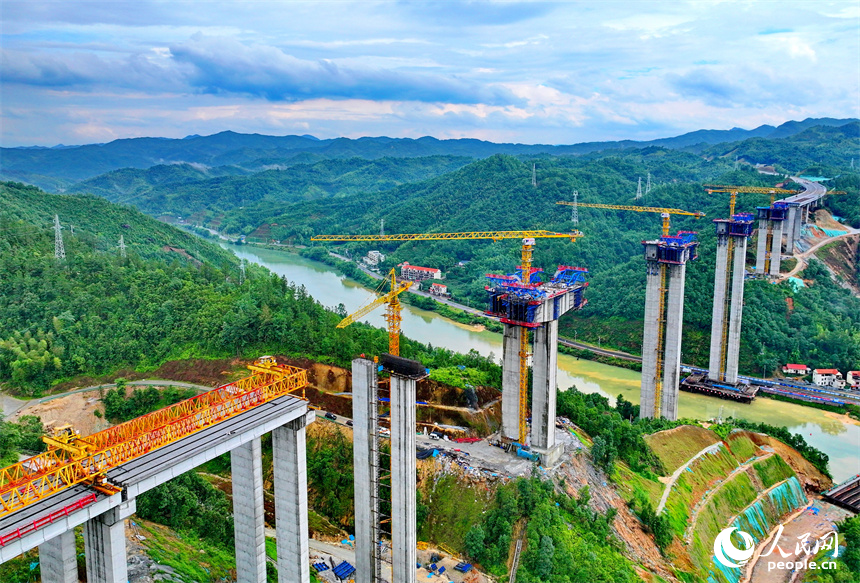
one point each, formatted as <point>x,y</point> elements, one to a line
<point>416,273</point>
<point>795,369</point>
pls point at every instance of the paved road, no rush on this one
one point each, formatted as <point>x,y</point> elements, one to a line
<point>802,258</point>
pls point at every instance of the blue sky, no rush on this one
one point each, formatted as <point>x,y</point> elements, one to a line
<point>519,71</point>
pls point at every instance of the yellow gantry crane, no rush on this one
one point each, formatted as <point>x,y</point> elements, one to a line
<point>664,212</point>
<point>72,459</point>
<point>392,315</point>
<point>528,242</point>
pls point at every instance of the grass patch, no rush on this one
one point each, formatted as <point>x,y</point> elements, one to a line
<point>454,508</point>
<point>733,496</point>
<point>628,482</point>
<point>692,485</point>
<point>191,558</point>
<point>741,445</point>
<point>319,524</point>
<point>772,470</point>
<point>675,447</point>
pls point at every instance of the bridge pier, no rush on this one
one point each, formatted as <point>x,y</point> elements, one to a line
<point>246,465</point>
<point>104,544</point>
<point>58,560</point>
<point>291,501</point>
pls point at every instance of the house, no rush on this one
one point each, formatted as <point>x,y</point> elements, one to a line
<point>416,273</point>
<point>828,377</point>
<point>800,369</point>
<point>438,289</point>
<point>853,379</point>
<point>373,258</point>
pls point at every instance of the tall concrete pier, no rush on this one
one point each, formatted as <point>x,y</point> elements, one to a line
<point>732,237</point>
<point>404,536</point>
<point>511,379</point>
<point>665,260</point>
<point>535,306</point>
<point>769,246</point>
<point>366,464</point>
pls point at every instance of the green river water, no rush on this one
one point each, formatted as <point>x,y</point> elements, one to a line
<point>840,439</point>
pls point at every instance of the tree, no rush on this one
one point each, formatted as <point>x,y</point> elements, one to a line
<point>475,543</point>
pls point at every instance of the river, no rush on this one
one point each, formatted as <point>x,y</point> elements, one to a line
<point>840,439</point>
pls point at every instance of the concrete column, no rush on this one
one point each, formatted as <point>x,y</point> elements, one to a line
<point>736,310</point>
<point>718,316</point>
<point>776,249</point>
<point>58,559</point>
<point>790,224</point>
<point>761,246</point>
<point>366,464</point>
<point>104,545</point>
<point>511,381</point>
<point>246,464</point>
<point>650,347</point>
<point>672,357</point>
<point>798,227</point>
<point>404,535</point>
<point>545,367</point>
<point>291,501</point>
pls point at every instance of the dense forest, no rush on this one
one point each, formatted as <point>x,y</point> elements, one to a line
<point>96,311</point>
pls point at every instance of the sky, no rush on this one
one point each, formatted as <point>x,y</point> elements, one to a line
<point>76,72</point>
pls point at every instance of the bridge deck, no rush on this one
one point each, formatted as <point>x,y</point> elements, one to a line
<point>148,471</point>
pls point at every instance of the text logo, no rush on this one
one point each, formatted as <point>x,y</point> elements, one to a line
<point>728,554</point>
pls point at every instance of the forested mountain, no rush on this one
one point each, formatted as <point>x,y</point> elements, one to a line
<point>184,190</point>
<point>496,193</point>
<point>829,148</point>
<point>174,296</point>
<point>56,168</point>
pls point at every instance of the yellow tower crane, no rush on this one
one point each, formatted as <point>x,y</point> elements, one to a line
<point>665,213</point>
<point>392,315</point>
<point>640,209</point>
<point>734,191</point>
<point>528,242</point>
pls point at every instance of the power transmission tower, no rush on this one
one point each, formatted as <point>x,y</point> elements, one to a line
<point>121,247</point>
<point>534,175</point>
<point>574,210</point>
<point>736,162</point>
<point>381,227</point>
<point>59,249</point>
<point>241,271</point>
<point>639,189</point>
<point>648,184</point>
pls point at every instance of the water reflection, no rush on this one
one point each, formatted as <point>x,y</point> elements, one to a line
<point>840,440</point>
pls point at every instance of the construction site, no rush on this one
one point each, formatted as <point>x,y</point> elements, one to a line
<point>93,480</point>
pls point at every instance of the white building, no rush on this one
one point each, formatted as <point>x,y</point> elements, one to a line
<point>828,377</point>
<point>853,379</point>
<point>416,273</point>
<point>373,258</point>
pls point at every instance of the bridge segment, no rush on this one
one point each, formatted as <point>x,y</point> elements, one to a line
<point>103,516</point>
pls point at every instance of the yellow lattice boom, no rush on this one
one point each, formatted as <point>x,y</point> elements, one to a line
<point>735,190</point>
<point>665,212</point>
<point>87,460</point>
<point>494,235</point>
<point>392,314</point>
